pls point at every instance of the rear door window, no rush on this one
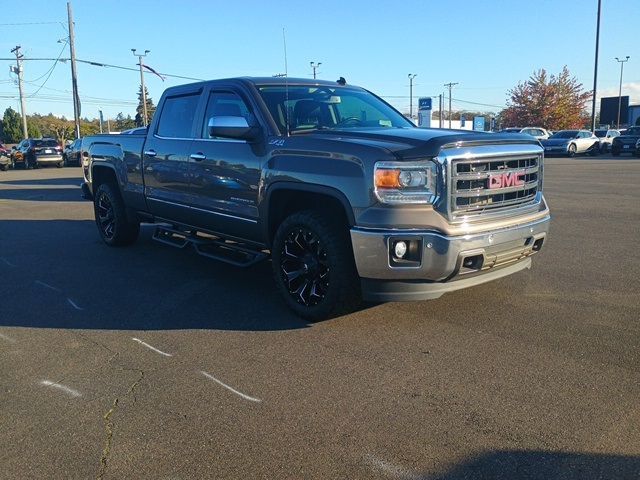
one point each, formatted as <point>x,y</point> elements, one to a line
<point>176,118</point>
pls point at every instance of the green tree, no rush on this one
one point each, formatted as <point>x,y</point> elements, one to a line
<point>556,102</point>
<point>124,123</point>
<point>11,126</point>
<point>140,109</point>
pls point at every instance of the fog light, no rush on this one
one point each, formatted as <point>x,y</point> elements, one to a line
<point>400,248</point>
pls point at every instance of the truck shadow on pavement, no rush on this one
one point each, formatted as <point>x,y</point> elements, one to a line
<point>542,465</point>
<point>59,274</point>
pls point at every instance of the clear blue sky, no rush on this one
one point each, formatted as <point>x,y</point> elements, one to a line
<point>486,46</point>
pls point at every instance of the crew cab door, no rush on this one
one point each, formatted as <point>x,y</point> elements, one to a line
<point>226,172</point>
<point>166,157</point>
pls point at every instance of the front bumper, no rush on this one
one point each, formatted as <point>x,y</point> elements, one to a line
<point>559,149</point>
<point>442,266</point>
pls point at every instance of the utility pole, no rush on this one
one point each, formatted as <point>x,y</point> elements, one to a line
<point>315,66</point>
<point>411,77</point>
<point>622,62</point>
<point>18,71</point>
<point>440,106</point>
<point>144,93</point>
<point>450,85</point>
<point>74,76</point>
<point>595,71</point>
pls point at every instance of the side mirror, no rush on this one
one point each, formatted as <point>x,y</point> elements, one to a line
<point>232,127</point>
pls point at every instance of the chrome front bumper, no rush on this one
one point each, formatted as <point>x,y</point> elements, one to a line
<point>441,267</point>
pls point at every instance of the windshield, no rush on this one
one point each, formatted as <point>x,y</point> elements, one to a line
<point>309,108</point>
<point>600,133</point>
<point>565,134</point>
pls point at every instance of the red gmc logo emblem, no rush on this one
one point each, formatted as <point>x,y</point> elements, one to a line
<point>501,180</point>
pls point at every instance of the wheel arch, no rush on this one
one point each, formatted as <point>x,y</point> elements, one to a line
<point>284,198</point>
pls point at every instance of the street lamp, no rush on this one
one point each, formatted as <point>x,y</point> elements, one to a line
<point>622,62</point>
<point>144,94</point>
<point>315,66</point>
<point>411,77</point>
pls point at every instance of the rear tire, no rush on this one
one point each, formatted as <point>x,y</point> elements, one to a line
<point>59,165</point>
<point>115,228</point>
<point>313,266</point>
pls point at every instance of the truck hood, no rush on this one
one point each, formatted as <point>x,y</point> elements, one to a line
<point>411,143</point>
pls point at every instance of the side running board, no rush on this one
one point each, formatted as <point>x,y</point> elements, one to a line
<point>212,247</point>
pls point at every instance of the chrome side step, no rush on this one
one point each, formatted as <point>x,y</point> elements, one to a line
<point>211,247</point>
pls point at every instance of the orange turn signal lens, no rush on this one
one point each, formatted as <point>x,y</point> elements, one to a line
<point>387,178</point>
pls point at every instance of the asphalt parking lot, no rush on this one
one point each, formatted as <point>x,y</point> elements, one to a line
<point>151,362</point>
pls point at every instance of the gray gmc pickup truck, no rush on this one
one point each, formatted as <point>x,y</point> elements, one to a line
<point>349,199</point>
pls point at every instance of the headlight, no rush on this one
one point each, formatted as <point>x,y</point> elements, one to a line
<point>405,182</point>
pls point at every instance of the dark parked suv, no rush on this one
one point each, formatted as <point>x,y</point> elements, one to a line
<point>71,154</point>
<point>35,152</point>
<point>626,142</point>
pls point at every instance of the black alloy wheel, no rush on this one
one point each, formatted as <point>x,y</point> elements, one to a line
<point>304,267</point>
<point>115,226</point>
<point>313,265</point>
<point>105,217</point>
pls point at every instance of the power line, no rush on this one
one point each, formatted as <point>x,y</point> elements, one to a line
<point>49,73</point>
<point>478,103</point>
<point>27,23</point>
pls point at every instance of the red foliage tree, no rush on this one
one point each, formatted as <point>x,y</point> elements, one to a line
<point>550,101</point>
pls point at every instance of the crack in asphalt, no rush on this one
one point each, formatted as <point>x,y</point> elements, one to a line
<point>108,422</point>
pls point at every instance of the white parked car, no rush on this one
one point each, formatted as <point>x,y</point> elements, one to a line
<point>537,132</point>
<point>606,138</point>
<point>571,142</point>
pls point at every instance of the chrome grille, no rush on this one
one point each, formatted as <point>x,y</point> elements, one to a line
<point>471,183</point>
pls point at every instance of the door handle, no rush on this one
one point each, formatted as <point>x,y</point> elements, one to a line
<point>198,157</point>
<point>150,153</point>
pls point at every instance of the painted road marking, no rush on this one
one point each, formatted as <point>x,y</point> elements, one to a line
<point>391,470</point>
<point>63,388</point>
<point>74,305</point>
<point>7,262</point>
<point>46,285</point>
<point>7,338</point>
<point>151,347</point>
<point>246,397</point>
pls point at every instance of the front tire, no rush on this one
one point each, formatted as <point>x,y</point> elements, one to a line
<point>572,150</point>
<point>313,266</point>
<point>115,228</point>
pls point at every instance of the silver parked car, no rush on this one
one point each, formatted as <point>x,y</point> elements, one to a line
<point>606,138</point>
<point>571,142</point>
<point>538,132</point>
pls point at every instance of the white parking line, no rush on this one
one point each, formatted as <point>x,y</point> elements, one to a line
<point>151,347</point>
<point>391,470</point>
<point>6,338</point>
<point>246,397</point>
<point>73,304</point>
<point>7,262</point>
<point>63,388</point>
<point>46,285</point>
